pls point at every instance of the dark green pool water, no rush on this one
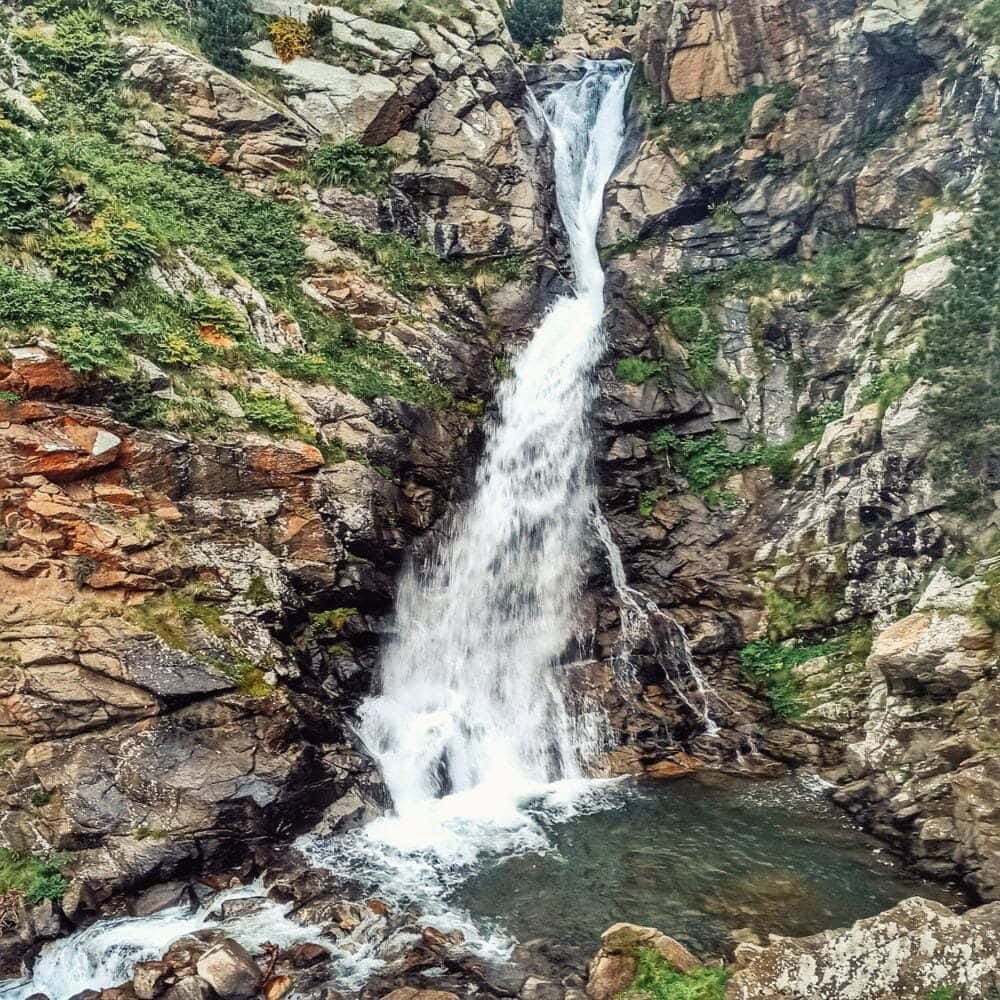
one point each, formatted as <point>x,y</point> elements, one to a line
<point>697,858</point>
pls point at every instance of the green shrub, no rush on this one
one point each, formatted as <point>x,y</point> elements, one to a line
<point>134,11</point>
<point>533,21</point>
<point>771,667</point>
<point>186,203</point>
<point>223,28</point>
<point>27,187</point>
<point>648,499</point>
<point>86,350</point>
<point>788,615</point>
<point>37,879</point>
<point>80,67</point>
<point>887,386</point>
<point>332,621</point>
<point>698,330</point>
<point>656,979</point>
<point>353,165</point>
<point>271,413</point>
<point>704,459</point>
<point>404,265</point>
<point>637,370</point>
<point>987,602</point>
<point>101,258</point>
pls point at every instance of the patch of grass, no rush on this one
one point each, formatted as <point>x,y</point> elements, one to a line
<point>656,979</point>
<point>636,370</point>
<point>829,280</point>
<point>353,165</point>
<point>269,413</point>
<point>258,593</point>
<point>333,620</point>
<point>102,257</point>
<point>171,617</point>
<point>80,67</point>
<point>35,878</point>
<point>771,666</point>
<point>942,993</point>
<point>704,459</point>
<point>648,499</point>
<point>248,678</point>
<point>700,129</point>
<point>887,387</point>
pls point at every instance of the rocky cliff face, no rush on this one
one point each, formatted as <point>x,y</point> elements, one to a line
<point>202,527</point>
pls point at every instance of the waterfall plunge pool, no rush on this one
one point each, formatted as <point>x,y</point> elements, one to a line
<point>696,857</point>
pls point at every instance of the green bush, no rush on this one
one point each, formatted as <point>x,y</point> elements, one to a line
<point>271,413</point>
<point>185,203</point>
<point>771,666</point>
<point>637,370</point>
<point>101,258</point>
<point>223,28</point>
<point>534,21</point>
<point>27,187</point>
<point>80,67</point>
<point>656,979</point>
<point>320,23</point>
<point>134,11</point>
<point>788,615</point>
<point>86,350</point>
<point>37,879</point>
<point>698,330</point>
<point>702,128</point>
<point>353,165</point>
<point>986,604</point>
<point>704,459</point>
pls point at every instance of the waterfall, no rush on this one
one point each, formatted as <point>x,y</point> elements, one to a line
<point>471,700</point>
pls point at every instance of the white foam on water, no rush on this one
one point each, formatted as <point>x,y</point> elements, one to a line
<point>104,954</point>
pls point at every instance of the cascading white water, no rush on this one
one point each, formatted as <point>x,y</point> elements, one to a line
<point>471,704</point>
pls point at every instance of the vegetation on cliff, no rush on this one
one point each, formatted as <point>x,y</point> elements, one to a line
<point>962,358</point>
<point>35,878</point>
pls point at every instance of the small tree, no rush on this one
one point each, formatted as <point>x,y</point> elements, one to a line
<point>223,28</point>
<point>534,21</point>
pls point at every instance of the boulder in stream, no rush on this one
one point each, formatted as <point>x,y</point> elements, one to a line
<point>230,970</point>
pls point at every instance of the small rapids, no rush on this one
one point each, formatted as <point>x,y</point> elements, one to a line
<point>104,954</point>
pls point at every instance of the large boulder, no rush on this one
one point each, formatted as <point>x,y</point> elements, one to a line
<point>902,954</point>
<point>613,967</point>
<point>230,970</point>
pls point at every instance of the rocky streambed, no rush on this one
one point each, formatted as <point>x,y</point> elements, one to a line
<point>737,870</point>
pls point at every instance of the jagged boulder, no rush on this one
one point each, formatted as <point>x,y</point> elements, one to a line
<point>905,953</point>
<point>230,970</point>
<point>613,968</point>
